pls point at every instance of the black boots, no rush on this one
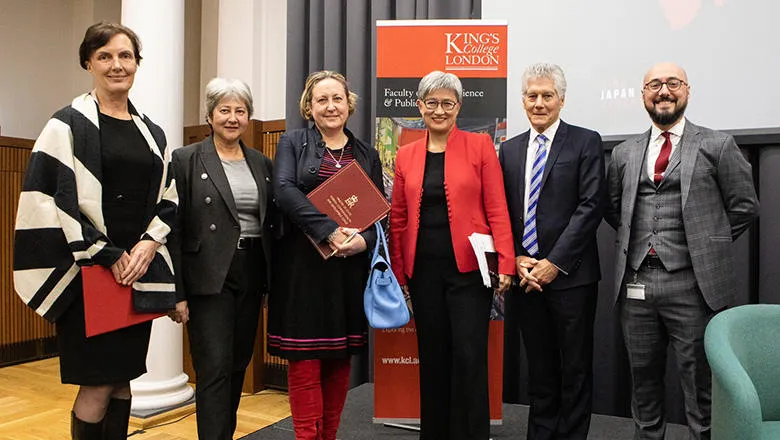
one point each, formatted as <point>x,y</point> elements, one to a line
<point>112,427</point>
<point>117,419</point>
<point>81,430</point>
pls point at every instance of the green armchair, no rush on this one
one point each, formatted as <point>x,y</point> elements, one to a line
<point>743,348</point>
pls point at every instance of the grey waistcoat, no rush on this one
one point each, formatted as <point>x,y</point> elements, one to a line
<point>658,221</point>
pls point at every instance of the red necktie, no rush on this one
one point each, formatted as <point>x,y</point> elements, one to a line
<point>663,158</point>
<point>660,165</point>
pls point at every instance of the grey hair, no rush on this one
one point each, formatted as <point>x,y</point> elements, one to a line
<point>546,70</point>
<point>438,80</point>
<point>220,88</point>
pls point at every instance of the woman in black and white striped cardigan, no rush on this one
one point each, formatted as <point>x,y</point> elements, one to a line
<point>97,192</point>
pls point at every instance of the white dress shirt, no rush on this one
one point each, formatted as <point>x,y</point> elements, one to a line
<point>530,155</point>
<point>657,141</point>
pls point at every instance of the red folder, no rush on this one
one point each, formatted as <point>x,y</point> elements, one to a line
<point>351,199</point>
<point>108,306</point>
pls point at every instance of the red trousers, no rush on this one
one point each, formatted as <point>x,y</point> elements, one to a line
<point>318,389</point>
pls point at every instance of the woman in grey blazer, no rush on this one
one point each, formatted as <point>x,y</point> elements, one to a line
<point>221,250</point>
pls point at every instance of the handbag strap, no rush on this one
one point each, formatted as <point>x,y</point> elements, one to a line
<point>380,240</point>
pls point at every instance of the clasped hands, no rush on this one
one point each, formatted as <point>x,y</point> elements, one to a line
<point>338,242</point>
<point>130,267</point>
<point>534,274</point>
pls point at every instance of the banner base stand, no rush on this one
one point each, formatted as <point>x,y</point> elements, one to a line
<point>402,426</point>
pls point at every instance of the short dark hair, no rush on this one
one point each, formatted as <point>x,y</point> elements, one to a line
<point>99,34</point>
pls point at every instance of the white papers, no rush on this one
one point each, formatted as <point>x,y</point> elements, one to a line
<point>482,243</point>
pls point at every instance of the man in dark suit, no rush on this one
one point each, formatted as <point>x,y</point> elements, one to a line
<point>554,179</point>
<point>679,195</point>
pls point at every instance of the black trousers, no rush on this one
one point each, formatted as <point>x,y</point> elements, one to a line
<point>557,329</point>
<point>222,331</point>
<point>451,313</point>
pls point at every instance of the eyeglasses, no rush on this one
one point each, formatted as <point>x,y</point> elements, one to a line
<point>672,84</point>
<point>446,105</point>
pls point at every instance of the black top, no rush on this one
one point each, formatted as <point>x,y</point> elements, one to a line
<point>434,238</point>
<point>128,169</point>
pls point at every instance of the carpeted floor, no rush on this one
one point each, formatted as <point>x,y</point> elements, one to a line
<point>356,423</point>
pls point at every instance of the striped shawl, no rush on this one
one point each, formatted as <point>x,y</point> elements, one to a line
<point>59,223</point>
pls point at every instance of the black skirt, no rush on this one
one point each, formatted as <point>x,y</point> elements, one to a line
<point>114,357</point>
<point>315,307</point>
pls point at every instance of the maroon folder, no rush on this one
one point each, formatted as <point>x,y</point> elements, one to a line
<point>351,199</point>
<point>108,306</point>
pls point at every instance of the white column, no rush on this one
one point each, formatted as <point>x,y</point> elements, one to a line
<point>236,45</point>
<point>158,92</point>
<point>251,38</point>
<point>271,77</point>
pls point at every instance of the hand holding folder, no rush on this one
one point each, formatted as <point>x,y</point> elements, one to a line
<point>336,247</point>
<point>351,199</point>
<point>108,306</point>
<point>487,259</point>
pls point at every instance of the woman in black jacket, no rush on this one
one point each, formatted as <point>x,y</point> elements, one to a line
<point>315,308</point>
<point>221,248</point>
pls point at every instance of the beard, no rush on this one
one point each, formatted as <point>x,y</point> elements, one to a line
<point>666,118</point>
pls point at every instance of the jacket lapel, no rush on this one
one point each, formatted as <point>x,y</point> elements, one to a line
<point>215,171</point>
<point>555,150</point>
<point>689,150</point>
<point>418,154</point>
<point>636,158</point>
<point>674,162</point>
<point>262,178</point>
<point>522,152</point>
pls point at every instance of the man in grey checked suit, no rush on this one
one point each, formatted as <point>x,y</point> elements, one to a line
<point>679,195</point>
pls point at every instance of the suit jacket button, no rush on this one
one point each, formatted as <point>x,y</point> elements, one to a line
<point>212,227</point>
<point>207,200</point>
<point>624,252</point>
<point>204,176</point>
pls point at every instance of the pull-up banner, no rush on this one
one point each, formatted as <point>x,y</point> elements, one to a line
<point>407,50</point>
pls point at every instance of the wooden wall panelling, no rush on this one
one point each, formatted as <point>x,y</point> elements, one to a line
<point>196,133</point>
<point>23,334</point>
<point>269,133</point>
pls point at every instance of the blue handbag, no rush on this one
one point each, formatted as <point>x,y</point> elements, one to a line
<point>383,299</point>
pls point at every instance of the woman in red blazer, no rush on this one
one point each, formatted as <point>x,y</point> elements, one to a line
<point>449,185</point>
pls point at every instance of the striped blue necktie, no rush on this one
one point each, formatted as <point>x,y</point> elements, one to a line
<point>530,243</point>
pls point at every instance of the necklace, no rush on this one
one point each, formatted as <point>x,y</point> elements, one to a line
<point>338,162</point>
